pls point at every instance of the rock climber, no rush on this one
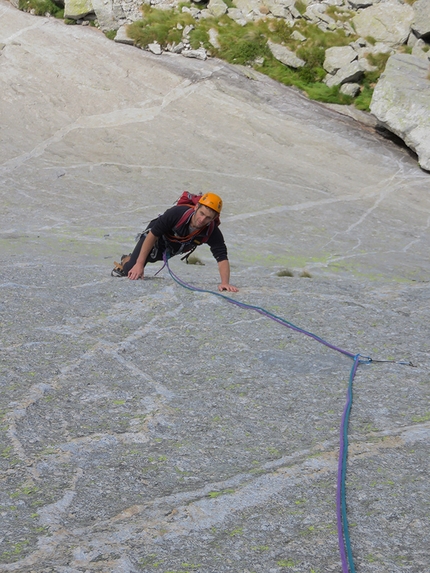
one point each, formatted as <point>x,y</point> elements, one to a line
<point>194,220</point>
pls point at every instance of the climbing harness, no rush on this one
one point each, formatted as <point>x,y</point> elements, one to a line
<point>345,549</point>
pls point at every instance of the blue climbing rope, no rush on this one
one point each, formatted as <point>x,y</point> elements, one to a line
<point>342,519</point>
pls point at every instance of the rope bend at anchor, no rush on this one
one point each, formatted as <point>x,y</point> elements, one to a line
<point>345,549</point>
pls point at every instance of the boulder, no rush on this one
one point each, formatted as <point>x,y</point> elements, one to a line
<point>76,9</point>
<point>357,4</point>
<point>401,103</point>
<point>296,35</point>
<point>352,72</point>
<point>278,9</point>
<point>217,8</point>
<point>315,13</point>
<point>122,37</point>
<point>248,6</point>
<point>350,89</point>
<point>155,48</point>
<point>338,57</point>
<point>213,38</point>
<point>109,14</point>
<point>175,48</point>
<point>388,22</point>
<point>199,54</point>
<point>285,56</point>
<point>238,16</point>
<point>419,50</point>
<point>421,23</point>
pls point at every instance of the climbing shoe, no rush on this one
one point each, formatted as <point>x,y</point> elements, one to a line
<point>118,270</point>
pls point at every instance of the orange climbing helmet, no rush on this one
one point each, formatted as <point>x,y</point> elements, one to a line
<point>212,201</point>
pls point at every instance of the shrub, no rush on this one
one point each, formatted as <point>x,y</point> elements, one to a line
<point>320,92</point>
<point>378,60</point>
<point>285,273</point>
<point>300,6</point>
<point>280,31</point>
<point>337,13</point>
<point>41,7</point>
<point>363,100</point>
<point>158,26</point>
<point>110,34</point>
<point>200,37</point>
<point>242,44</point>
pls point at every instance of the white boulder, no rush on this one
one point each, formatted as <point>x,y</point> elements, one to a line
<point>388,22</point>
<point>401,103</point>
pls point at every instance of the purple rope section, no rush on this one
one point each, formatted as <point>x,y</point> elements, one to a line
<point>258,309</point>
<point>342,521</point>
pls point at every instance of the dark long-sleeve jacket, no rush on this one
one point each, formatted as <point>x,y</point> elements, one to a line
<point>165,227</point>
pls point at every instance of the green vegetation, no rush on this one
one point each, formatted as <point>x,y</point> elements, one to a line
<point>214,494</point>
<point>300,6</point>
<point>285,273</point>
<point>110,34</point>
<point>194,260</point>
<point>41,7</point>
<point>286,563</point>
<point>159,26</point>
<point>247,45</point>
<point>419,419</point>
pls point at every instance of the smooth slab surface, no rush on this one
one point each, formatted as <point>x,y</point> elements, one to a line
<point>149,428</point>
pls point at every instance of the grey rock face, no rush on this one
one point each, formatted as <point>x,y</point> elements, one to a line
<point>401,102</point>
<point>145,425</point>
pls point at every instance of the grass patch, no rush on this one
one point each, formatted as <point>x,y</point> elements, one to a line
<point>300,6</point>
<point>363,100</point>
<point>41,7</point>
<point>337,13</point>
<point>369,81</point>
<point>285,563</point>
<point>158,26</point>
<point>110,34</point>
<point>194,260</point>
<point>420,419</point>
<point>285,273</point>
